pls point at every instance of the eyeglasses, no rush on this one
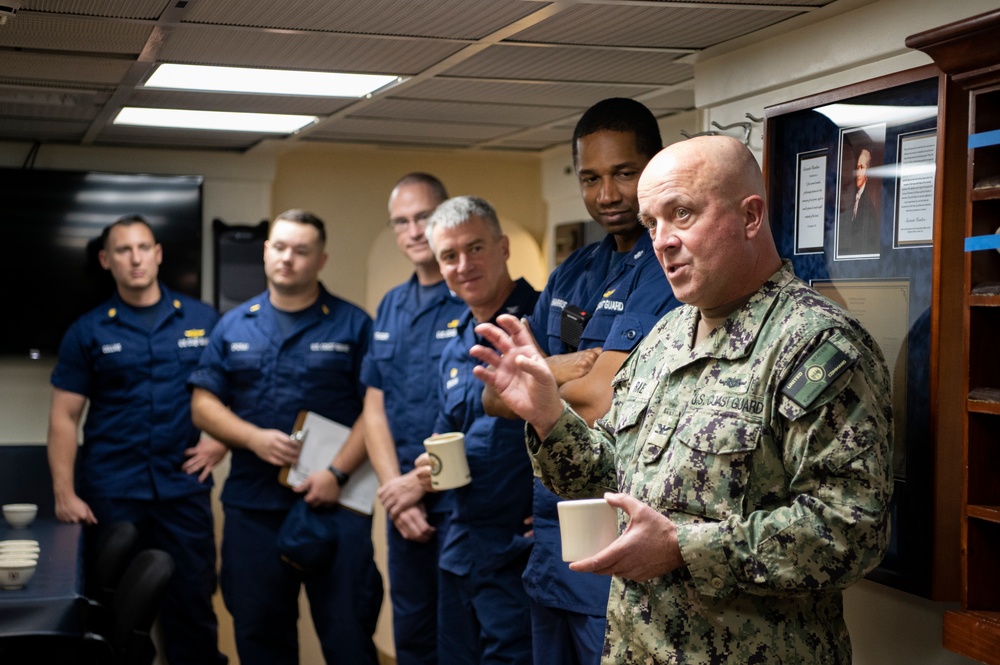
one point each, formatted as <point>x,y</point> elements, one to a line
<point>401,224</point>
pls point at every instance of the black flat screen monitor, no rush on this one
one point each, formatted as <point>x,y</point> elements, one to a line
<point>50,222</point>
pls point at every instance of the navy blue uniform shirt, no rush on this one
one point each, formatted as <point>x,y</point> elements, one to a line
<point>408,336</point>
<point>488,520</point>
<point>138,423</point>
<point>626,302</point>
<point>266,378</point>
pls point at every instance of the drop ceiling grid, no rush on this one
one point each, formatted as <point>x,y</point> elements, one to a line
<point>43,129</point>
<point>67,71</point>
<point>573,64</point>
<point>402,129</point>
<point>246,48</point>
<point>31,30</point>
<point>429,18</point>
<point>178,138</point>
<point>208,101</point>
<point>559,95</point>
<point>12,110</point>
<point>663,27</point>
<point>513,115</point>
<point>140,9</point>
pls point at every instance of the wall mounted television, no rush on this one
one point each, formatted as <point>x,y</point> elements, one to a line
<point>50,222</point>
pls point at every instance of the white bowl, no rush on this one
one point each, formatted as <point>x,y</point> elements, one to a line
<point>19,549</point>
<point>15,573</point>
<point>20,515</point>
<point>17,556</point>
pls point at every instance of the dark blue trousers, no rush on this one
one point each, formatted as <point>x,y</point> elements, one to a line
<point>562,637</point>
<point>262,592</point>
<point>413,588</point>
<point>486,617</point>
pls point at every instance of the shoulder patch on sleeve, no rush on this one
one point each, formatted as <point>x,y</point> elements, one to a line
<point>818,371</point>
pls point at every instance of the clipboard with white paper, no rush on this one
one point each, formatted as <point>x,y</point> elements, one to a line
<point>322,439</point>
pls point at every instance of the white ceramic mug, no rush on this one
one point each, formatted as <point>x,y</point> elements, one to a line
<point>449,467</point>
<point>586,527</point>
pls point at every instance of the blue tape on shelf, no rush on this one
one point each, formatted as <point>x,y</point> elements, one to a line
<point>977,243</point>
<point>984,139</point>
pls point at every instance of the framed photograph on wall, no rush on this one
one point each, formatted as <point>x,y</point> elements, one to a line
<point>840,169</point>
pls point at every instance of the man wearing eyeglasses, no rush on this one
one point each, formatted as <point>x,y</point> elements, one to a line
<point>414,322</point>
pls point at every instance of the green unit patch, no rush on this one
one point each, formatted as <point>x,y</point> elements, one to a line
<point>815,374</point>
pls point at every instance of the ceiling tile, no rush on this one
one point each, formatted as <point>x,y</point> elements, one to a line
<point>456,19</point>
<point>573,64</point>
<point>468,112</point>
<point>315,51</point>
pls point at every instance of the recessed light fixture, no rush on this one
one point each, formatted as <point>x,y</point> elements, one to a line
<point>265,81</point>
<point>272,123</point>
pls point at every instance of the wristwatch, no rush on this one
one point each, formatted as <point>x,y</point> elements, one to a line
<point>341,476</point>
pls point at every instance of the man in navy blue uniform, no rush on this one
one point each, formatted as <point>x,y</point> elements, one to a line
<point>414,322</point>
<point>486,609</point>
<point>621,288</point>
<point>142,460</point>
<point>294,347</point>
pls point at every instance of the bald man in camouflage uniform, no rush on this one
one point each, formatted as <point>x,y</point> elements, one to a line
<point>749,437</point>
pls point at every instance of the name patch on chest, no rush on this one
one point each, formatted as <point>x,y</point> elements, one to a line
<point>111,348</point>
<point>814,375</point>
<point>336,347</point>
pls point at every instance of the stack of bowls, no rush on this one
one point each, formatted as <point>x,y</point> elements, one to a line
<point>18,559</point>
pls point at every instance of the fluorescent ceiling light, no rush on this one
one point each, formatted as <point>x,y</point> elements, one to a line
<point>237,122</point>
<point>265,81</point>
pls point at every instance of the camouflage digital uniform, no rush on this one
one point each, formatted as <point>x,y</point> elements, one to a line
<point>779,504</point>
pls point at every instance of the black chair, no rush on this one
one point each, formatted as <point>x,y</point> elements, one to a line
<point>113,550</point>
<point>135,605</point>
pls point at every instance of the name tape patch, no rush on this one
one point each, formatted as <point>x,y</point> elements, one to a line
<point>814,375</point>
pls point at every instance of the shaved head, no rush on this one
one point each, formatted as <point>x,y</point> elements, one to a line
<point>703,201</point>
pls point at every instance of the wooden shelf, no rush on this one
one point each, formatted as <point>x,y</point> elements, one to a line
<point>973,634</point>
<point>986,513</point>
<point>990,192</point>
<point>984,400</point>
<point>978,299</point>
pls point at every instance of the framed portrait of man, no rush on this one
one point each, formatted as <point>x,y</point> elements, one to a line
<point>858,230</point>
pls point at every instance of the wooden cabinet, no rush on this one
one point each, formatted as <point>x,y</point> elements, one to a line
<point>968,52</point>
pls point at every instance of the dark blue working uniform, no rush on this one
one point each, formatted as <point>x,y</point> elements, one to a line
<point>627,293</point>
<point>485,615</point>
<point>132,364</point>
<point>266,377</point>
<point>412,327</point>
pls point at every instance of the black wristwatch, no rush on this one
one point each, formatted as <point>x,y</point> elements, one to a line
<point>341,476</point>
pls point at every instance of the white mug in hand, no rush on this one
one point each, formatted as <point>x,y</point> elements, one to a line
<point>586,527</point>
<point>449,467</point>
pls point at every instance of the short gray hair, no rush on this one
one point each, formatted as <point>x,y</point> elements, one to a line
<point>457,211</point>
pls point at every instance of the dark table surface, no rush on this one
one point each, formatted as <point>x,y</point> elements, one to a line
<point>52,601</point>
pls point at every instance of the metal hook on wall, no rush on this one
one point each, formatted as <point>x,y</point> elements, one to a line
<point>744,125</point>
<point>691,136</point>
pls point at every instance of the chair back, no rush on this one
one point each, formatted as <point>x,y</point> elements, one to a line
<point>112,552</point>
<point>136,603</point>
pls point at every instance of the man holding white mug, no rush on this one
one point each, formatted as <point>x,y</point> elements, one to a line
<point>485,551</point>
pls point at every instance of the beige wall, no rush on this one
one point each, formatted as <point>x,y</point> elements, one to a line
<point>348,187</point>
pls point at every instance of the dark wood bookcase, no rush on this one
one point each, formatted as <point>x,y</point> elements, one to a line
<point>968,52</point>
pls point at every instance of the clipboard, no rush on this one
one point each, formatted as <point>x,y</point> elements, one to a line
<point>322,439</point>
